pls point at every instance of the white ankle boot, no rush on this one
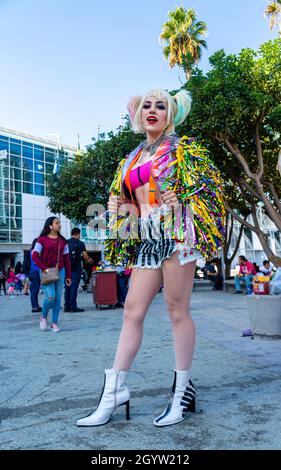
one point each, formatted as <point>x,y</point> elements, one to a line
<point>182,399</point>
<point>115,393</point>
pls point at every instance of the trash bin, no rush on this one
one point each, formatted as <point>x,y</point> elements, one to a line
<point>261,285</point>
<point>104,288</point>
<point>265,315</point>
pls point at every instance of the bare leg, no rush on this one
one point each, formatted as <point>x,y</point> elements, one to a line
<point>144,285</point>
<point>178,282</point>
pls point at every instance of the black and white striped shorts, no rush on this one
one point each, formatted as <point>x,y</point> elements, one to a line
<point>155,247</point>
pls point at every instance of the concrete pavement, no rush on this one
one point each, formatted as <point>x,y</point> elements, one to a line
<point>48,380</point>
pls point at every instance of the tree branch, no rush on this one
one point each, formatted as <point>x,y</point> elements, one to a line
<point>263,237</point>
<point>236,152</point>
<point>259,152</point>
<point>276,260</point>
<point>229,231</point>
<point>272,213</point>
<point>275,196</point>
<point>249,188</point>
<point>241,230</point>
<point>242,221</point>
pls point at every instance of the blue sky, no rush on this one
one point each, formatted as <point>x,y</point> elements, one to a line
<point>69,66</point>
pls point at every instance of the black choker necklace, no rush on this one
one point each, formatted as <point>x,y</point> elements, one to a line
<point>151,148</point>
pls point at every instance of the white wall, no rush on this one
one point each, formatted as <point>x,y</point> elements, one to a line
<point>34,213</point>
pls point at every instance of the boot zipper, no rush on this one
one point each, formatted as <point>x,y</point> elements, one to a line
<point>115,391</point>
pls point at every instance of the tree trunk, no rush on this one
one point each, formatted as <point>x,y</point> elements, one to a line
<point>273,212</point>
<point>229,232</point>
<point>227,268</point>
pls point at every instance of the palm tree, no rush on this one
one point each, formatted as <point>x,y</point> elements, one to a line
<point>183,36</point>
<point>273,12</point>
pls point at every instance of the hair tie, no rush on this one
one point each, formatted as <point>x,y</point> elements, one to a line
<point>132,106</point>
<point>183,102</point>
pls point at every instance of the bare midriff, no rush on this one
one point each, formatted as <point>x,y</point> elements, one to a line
<point>142,191</point>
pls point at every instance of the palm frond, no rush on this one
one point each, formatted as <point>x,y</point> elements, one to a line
<point>183,36</point>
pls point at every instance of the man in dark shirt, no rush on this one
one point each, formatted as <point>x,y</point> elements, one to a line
<point>213,273</point>
<point>77,250</point>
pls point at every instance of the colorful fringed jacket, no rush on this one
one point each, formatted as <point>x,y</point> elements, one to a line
<point>183,166</point>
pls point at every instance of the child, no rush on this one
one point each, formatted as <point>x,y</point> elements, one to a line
<point>11,281</point>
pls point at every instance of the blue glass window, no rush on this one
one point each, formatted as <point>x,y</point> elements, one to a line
<point>61,159</point>
<point>6,171</point>
<point>6,184</point>
<point>39,178</point>
<point>28,188</point>
<point>49,156</point>
<point>27,164</point>
<point>39,189</point>
<point>18,212</point>
<point>38,166</point>
<point>39,153</point>
<point>4,145</point>
<point>27,176</point>
<point>16,186</point>
<point>27,152</point>
<point>15,173</point>
<point>13,198</point>
<point>15,161</point>
<point>15,149</point>
<point>4,223</point>
<point>16,236</point>
<point>13,211</point>
<point>49,169</point>
<point>4,236</point>
<point>15,223</point>
<point>15,141</point>
<point>3,137</point>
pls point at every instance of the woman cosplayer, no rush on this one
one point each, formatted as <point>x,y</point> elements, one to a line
<point>174,196</point>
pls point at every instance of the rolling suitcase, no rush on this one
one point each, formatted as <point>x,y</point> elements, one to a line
<point>104,289</point>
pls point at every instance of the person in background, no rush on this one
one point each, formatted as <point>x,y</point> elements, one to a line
<point>256,266</point>
<point>11,281</point>
<point>3,279</point>
<point>18,268</point>
<point>77,250</point>
<point>122,285</point>
<point>18,273</point>
<point>246,273</point>
<point>266,269</point>
<point>35,281</point>
<point>51,250</point>
<point>213,273</point>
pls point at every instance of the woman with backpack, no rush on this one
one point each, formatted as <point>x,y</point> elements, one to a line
<point>51,251</point>
<point>77,250</point>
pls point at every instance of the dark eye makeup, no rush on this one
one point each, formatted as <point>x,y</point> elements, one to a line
<point>159,105</point>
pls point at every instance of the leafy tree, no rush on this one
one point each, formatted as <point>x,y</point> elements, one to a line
<point>237,111</point>
<point>273,12</point>
<point>87,179</point>
<point>184,37</point>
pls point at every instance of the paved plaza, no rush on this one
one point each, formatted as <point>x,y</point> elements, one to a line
<point>49,380</point>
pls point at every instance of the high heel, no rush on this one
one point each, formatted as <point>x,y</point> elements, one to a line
<point>115,393</point>
<point>182,399</point>
<point>128,417</point>
<point>191,407</point>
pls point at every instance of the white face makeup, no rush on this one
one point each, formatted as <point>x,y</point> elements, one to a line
<point>154,116</point>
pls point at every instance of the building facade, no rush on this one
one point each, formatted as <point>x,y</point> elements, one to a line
<point>25,161</point>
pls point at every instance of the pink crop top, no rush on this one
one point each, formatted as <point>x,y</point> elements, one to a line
<point>140,175</point>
